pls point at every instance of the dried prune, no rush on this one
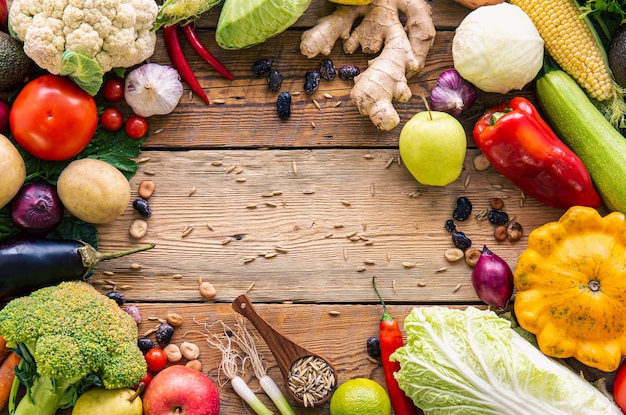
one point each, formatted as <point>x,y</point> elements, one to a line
<point>497,217</point>
<point>348,72</point>
<point>327,70</point>
<point>373,347</point>
<point>117,296</point>
<point>164,334</point>
<point>145,344</point>
<point>460,240</point>
<point>450,225</point>
<point>283,105</point>
<point>274,80</point>
<point>261,66</point>
<point>312,81</point>
<point>142,207</point>
<point>463,209</point>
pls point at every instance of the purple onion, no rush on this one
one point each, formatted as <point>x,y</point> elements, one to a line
<point>37,208</point>
<point>4,116</point>
<point>492,279</point>
<point>452,94</point>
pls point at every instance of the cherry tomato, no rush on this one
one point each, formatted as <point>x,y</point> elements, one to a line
<point>53,118</point>
<point>136,127</point>
<point>113,90</point>
<point>619,386</point>
<point>156,359</point>
<point>146,381</point>
<point>112,119</point>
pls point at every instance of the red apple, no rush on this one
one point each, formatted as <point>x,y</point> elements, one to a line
<point>181,390</point>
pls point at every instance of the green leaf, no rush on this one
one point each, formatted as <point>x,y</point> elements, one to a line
<point>116,148</point>
<point>83,70</point>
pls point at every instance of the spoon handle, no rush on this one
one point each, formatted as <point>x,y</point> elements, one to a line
<point>284,350</point>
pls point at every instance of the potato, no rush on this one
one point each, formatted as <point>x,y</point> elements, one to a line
<point>13,171</point>
<point>93,190</point>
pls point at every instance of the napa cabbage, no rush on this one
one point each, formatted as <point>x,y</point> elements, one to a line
<point>471,362</point>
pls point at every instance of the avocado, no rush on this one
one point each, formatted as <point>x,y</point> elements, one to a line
<point>617,55</point>
<point>14,64</point>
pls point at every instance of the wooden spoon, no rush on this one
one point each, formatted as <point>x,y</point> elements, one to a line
<point>287,353</point>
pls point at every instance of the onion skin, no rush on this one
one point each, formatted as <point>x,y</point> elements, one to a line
<point>492,279</point>
<point>37,209</point>
<point>452,93</point>
<point>4,116</point>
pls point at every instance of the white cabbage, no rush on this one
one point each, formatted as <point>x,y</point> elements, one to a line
<point>471,362</point>
<point>497,48</point>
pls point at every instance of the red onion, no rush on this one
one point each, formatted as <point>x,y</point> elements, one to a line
<point>492,279</point>
<point>37,208</point>
<point>4,115</point>
<point>452,94</point>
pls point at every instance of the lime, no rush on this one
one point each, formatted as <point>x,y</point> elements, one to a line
<point>360,396</point>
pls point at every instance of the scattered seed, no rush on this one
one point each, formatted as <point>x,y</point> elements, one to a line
<point>149,173</point>
<point>355,238</point>
<point>135,266</point>
<point>327,95</point>
<point>360,269</point>
<point>345,254</point>
<point>219,101</point>
<point>408,264</point>
<point>482,215</point>
<point>388,255</point>
<point>364,225</point>
<point>368,243</point>
<point>334,313</point>
<point>270,204</point>
<point>328,235</point>
<point>238,170</point>
<point>281,249</point>
<point>226,241</point>
<point>457,288</point>
<point>350,235</point>
<point>480,162</point>
<point>372,189</point>
<point>157,131</point>
<point>294,167</point>
<point>270,255</point>
<point>209,227</point>
<point>231,168</point>
<point>191,191</point>
<point>143,159</point>
<point>313,124</point>
<point>207,290</point>
<point>416,193</point>
<point>311,379</point>
<point>346,203</point>
<point>248,259</point>
<point>338,225</point>
<point>453,254</point>
<point>187,231</point>
<point>393,286</point>
<point>125,287</point>
<point>250,287</point>
<point>108,273</point>
<point>442,269</point>
<point>338,103</point>
<point>308,192</point>
<point>241,179</point>
<point>421,284</point>
<point>251,206</point>
<point>177,276</point>
<point>369,262</point>
<point>368,157</point>
<point>317,105</point>
<point>217,163</point>
<point>497,186</point>
<point>467,181</point>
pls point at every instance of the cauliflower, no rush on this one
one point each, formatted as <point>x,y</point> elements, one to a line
<point>105,34</point>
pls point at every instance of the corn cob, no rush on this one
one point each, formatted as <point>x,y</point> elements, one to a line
<point>574,45</point>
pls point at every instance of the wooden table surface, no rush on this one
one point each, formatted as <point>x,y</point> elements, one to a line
<point>300,214</point>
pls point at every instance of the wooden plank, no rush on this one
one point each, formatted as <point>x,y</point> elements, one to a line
<point>254,201</point>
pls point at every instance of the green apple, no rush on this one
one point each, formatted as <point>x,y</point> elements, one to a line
<point>432,147</point>
<point>108,401</point>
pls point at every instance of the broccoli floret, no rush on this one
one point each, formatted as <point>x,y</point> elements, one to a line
<point>70,337</point>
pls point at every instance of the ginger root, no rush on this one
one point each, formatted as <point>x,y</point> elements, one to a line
<point>403,54</point>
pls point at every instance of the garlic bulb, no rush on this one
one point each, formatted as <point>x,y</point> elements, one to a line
<point>153,89</point>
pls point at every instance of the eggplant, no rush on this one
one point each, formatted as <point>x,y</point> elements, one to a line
<point>28,263</point>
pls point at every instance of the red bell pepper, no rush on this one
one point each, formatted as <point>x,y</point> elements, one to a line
<point>522,147</point>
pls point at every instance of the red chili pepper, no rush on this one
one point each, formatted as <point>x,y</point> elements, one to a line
<point>390,338</point>
<point>203,52</point>
<point>522,147</point>
<point>175,52</point>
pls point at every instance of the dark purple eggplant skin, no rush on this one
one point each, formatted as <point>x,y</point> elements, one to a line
<point>28,263</point>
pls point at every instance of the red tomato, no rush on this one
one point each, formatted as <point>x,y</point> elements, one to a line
<point>112,119</point>
<point>146,381</point>
<point>113,90</point>
<point>136,127</point>
<point>619,386</point>
<point>156,359</point>
<point>53,118</point>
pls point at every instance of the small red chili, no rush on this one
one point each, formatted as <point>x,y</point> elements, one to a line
<point>203,52</point>
<point>390,340</point>
<point>175,52</point>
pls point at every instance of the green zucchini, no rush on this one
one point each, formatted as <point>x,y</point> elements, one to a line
<point>581,126</point>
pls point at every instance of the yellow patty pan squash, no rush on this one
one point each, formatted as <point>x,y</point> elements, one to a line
<point>571,287</point>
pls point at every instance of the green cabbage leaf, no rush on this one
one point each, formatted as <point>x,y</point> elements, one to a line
<point>245,23</point>
<point>471,362</point>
